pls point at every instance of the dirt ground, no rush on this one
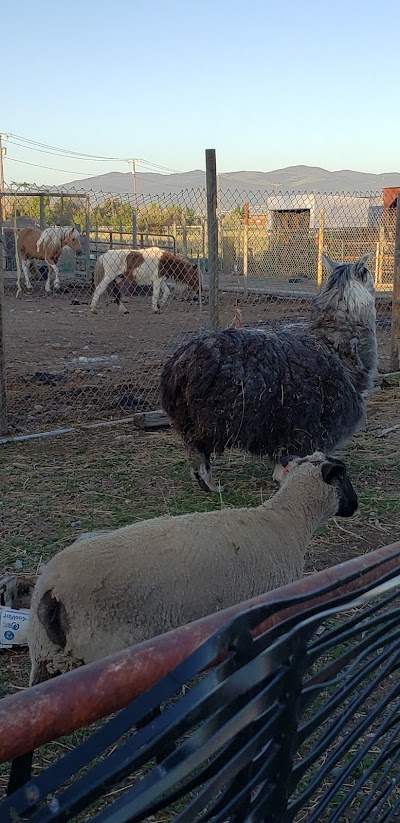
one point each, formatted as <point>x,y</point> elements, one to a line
<point>66,366</point>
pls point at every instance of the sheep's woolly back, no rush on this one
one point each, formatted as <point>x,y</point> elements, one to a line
<point>279,393</point>
<point>118,589</point>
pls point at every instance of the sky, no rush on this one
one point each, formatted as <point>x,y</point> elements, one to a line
<point>267,84</point>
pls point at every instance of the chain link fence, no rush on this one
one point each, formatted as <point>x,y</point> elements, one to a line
<point>65,365</point>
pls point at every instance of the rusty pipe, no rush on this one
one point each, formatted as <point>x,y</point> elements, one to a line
<point>60,706</point>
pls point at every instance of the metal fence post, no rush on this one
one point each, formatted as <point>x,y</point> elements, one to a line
<point>212,231</point>
<point>394,360</point>
<point>87,233</point>
<point>246,245</point>
<point>41,212</point>
<point>3,385</point>
<point>320,248</point>
<point>184,236</point>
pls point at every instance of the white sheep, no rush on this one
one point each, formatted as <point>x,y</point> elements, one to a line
<point>121,588</point>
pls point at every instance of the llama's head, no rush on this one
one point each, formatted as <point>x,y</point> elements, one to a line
<point>348,296</point>
<point>342,273</point>
<point>328,471</point>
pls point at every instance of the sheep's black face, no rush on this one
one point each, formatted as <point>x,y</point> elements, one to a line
<point>334,473</point>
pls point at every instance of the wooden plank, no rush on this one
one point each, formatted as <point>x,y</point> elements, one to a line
<point>148,421</point>
<point>395,331</point>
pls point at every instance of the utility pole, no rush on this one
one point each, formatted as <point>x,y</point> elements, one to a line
<point>134,208</point>
<point>133,161</point>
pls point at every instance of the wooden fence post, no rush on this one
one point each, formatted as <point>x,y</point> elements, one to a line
<point>184,236</point>
<point>134,229</point>
<point>395,365</point>
<point>3,385</point>
<point>42,220</point>
<point>203,237</point>
<point>380,251</point>
<point>87,233</point>
<point>212,230</point>
<point>246,211</point>
<point>320,270</point>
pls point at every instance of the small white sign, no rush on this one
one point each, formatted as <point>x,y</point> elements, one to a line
<point>13,627</point>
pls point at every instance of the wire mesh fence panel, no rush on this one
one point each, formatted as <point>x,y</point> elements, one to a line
<point>73,356</point>
<point>69,358</point>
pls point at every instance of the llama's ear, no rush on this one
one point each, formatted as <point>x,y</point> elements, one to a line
<point>329,264</point>
<point>360,267</point>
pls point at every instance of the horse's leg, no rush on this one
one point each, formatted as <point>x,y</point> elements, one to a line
<point>200,470</point>
<point>26,264</point>
<point>56,276</point>
<point>52,267</point>
<point>165,292</point>
<point>117,294</point>
<point>47,287</point>
<point>156,295</point>
<point>100,289</point>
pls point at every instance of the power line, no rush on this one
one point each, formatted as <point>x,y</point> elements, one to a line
<point>66,151</point>
<point>48,168</point>
<point>69,171</point>
<point>45,148</point>
<point>58,154</point>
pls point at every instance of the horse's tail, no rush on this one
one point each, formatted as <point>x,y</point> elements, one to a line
<point>98,273</point>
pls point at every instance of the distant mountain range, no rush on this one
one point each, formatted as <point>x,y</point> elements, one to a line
<point>293,178</point>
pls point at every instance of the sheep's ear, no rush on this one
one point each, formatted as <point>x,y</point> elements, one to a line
<point>284,461</point>
<point>333,471</point>
<point>329,264</point>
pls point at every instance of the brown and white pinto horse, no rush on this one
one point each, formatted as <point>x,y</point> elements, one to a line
<point>142,267</point>
<point>34,244</point>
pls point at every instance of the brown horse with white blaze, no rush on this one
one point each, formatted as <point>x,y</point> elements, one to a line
<point>142,267</point>
<point>34,244</point>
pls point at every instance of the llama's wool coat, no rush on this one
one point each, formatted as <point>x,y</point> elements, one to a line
<point>269,394</point>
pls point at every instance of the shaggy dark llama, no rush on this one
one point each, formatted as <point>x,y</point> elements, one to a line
<point>283,393</point>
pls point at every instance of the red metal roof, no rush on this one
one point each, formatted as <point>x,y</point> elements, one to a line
<point>389,197</point>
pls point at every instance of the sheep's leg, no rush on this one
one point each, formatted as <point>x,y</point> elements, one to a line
<point>200,470</point>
